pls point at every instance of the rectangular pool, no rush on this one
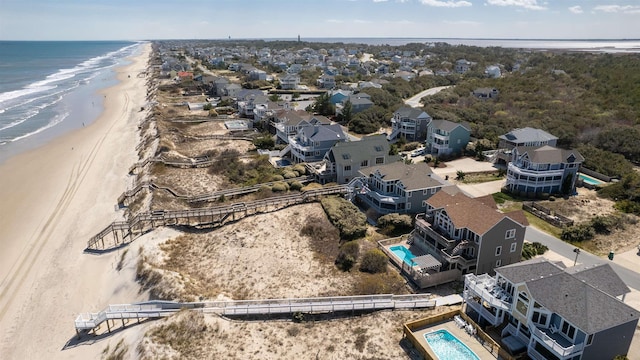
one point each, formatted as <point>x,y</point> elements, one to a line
<point>590,180</point>
<point>404,254</point>
<point>448,347</point>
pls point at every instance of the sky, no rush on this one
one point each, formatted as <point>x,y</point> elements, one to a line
<point>241,19</point>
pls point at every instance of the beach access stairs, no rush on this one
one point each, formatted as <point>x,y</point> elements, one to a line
<point>88,322</point>
<point>123,232</point>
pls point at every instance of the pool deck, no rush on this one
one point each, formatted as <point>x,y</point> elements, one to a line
<point>462,335</point>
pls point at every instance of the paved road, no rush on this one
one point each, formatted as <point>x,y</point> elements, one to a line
<point>414,101</point>
<point>631,278</point>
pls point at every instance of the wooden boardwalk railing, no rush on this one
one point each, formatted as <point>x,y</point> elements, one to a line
<point>157,309</point>
<point>126,231</point>
<point>124,199</point>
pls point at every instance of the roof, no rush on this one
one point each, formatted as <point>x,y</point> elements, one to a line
<point>412,176</point>
<point>602,277</point>
<point>467,212</point>
<point>324,132</point>
<point>581,295</point>
<point>527,134</point>
<point>409,112</point>
<point>580,303</point>
<point>549,155</point>
<point>356,151</point>
<point>448,126</point>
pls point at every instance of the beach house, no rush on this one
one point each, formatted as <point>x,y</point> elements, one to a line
<point>409,123</point>
<point>543,170</point>
<point>345,159</point>
<point>397,187</point>
<point>446,137</point>
<point>311,143</point>
<point>547,311</point>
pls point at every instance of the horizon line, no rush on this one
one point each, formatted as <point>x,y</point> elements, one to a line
<point>330,37</point>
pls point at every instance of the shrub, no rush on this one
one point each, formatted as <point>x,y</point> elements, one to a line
<point>346,217</point>
<point>374,261</point>
<point>348,255</point>
<point>530,250</point>
<point>280,187</point>
<point>288,174</point>
<point>295,185</point>
<point>395,223</point>
<point>577,233</point>
<point>300,169</point>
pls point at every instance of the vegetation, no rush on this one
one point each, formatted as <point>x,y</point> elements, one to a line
<point>348,255</point>
<point>603,225</point>
<point>374,261</point>
<point>322,106</point>
<point>345,216</point>
<point>395,223</point>
<point>264,141</point>
<point>530,250</point>
<point>258,170</point>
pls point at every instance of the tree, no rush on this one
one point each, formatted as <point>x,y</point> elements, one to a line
<point>323,105</point>
<point>347,113</point>
<point>274,97</point>
<point>460,175</point>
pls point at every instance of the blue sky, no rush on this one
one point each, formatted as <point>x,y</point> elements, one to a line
<point>215,19</point>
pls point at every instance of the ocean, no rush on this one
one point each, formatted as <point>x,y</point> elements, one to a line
<point>48,88</point>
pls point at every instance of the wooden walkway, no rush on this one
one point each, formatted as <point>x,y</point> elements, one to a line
<point>183,163</point>
<point>157,309</point>
<point>125,198</point>
<point>121,232</point>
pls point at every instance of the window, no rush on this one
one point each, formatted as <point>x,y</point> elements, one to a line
<point>498,263</point>
<point>589,339</point>
<point>379,160</point>
<point>434,190</point>
<point>498,250</point>
<point>513,247</point>
<point>364,163</point>
<point>347,168</point>
<point>346,156</point>
<point>378,148</point>
<point>510,234</point>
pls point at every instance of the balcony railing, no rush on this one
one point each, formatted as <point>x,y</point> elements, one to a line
<point>425,226</point>
<point>484,289</point>
<point>516,167</point>
<point>492,318</point>
<point>554,346</point>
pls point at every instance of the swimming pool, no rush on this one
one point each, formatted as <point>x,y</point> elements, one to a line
<point>589,180</point>
<point>448,347</point>
<point>403,253</point>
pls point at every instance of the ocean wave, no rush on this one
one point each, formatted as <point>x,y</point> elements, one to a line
<point>56,120</point>
<point>92,64</point>
<point>30,100</point>
<point>30,113</point>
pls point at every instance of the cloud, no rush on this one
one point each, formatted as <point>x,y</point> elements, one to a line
<point>626,9</point>
<point>576,9</point>
<point>446,3</point>
<point>527,4</point>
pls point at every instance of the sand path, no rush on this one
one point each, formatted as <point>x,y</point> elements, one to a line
<point>54,199</point>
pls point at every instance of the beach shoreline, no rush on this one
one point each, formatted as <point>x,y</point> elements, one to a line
<point>55,198</point>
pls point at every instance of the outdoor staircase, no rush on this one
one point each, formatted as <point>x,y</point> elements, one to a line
<point>460,247</point>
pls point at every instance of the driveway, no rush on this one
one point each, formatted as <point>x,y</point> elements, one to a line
<point>414,101</point>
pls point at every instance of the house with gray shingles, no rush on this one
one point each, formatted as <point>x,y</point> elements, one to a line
<point>543,169</point>
<point>326,81</point>
<point>409,123</point>
<point>447,137</point>
<point>359,102</point>
<point>485,93</point>
<point>553,312</point>
<point>247,105</point>
<point>313,142</point>
<point>343,161</point>
<point>462,66</point>
<point>526,137</point>
<point>398,187</point>
<point>288,122</point>
<point>468,235</point>
<point>289,82</point>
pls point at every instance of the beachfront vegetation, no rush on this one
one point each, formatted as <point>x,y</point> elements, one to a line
<point>395,223</point>
<point>530,250</point>
<point>374,261</point>
<point>345,216</point>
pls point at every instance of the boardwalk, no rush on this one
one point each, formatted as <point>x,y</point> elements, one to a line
<point>158,309</point>
<point>122,232</point>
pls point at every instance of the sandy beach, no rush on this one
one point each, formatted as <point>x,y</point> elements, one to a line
<point>54,199</point>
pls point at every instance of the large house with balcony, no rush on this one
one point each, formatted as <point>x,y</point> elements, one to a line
<point>312,142</point>
<point>398,187</point>
<point>447,137</point>
<point>345,159</point>
<point>543,170</point>
<point>552,312</point>
<point>469,235</point>
<point>409,123</point>
<point>288,122</point>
